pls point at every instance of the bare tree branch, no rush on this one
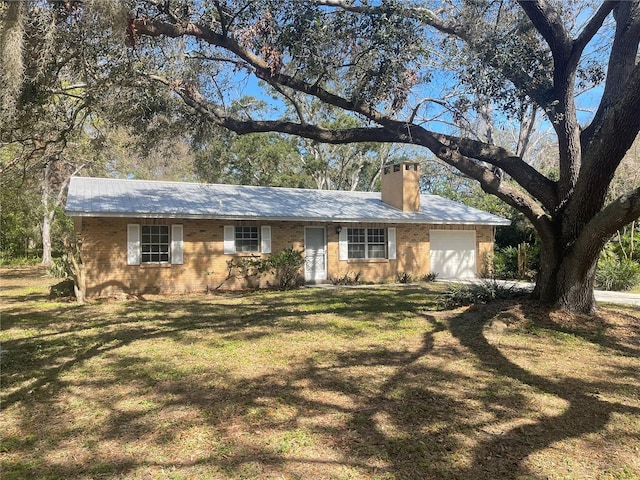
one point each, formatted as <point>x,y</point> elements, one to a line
<point>592,27</point>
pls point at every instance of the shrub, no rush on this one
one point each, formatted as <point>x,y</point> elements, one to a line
<point>404,277</point>
<point>485,291</point>
<point>64,289</point>
<point>429,277</point>
<point>617,275</point>
<point>505,262</point>
<point>59,268</point>
<point>348,278</point>
<point>286,266</point>
<point>516,262</point>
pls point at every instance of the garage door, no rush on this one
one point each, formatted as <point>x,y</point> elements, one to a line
<point>453,253</point>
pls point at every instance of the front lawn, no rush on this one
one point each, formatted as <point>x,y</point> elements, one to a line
<point>367,383</point>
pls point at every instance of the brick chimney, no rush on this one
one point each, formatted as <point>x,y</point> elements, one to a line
<point>401,186</point>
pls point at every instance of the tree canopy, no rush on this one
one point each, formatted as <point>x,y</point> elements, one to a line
<point>422,73</point>
<point>381,62</point>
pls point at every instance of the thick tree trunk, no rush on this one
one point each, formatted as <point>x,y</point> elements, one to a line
<point>567,282</point>
<point>575,286</point>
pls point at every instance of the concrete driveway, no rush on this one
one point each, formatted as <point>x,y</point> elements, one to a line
<point>620,298</point>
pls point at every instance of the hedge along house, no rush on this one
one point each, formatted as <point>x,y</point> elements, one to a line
<point>159,237</point>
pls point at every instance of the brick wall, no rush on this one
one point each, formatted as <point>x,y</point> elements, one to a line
<point>104,252</point>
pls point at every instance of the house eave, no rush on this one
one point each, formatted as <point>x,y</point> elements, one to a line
<point>420,220</point>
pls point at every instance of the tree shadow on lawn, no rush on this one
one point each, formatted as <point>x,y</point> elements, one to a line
<point>45,356</point>
<point>585,412</point>
<point>403,423</point>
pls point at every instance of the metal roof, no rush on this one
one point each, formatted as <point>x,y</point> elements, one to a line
<point>107,197</point>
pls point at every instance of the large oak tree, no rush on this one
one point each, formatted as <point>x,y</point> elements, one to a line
<point>374,59</point>
<point>411,72</point>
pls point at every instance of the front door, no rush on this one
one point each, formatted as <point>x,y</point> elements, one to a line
<point>315,254</point>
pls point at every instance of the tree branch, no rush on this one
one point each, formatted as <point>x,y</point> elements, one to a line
<point>260,67</point>
<point>602,156</point>
<point>391,131</point>
<point>550,25</point>
<point>422,14</point>
<point>490,183</point>
<point>592,27</point>
<point>538,91</point>
<point>603,225</point>
<point>524,174</point>
<point>622,64</point>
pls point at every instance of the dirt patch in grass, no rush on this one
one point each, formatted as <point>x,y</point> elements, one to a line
<point>316,383</point>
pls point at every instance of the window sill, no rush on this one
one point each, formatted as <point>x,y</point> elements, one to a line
<point>368,260</point>
<point>154,265</point>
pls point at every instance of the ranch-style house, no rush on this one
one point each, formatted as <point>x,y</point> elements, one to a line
<point>141,236</point>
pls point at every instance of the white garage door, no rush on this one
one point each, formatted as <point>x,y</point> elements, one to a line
<point>453,253</point>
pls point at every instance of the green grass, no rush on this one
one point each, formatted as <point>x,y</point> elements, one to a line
<point>19,261</point>
<point>366,383</point>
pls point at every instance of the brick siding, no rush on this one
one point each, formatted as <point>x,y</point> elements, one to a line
<point>104,252</point>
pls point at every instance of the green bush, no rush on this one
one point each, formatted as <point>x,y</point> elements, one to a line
<point>404,277</point>
<point>59,268</point>
<point>485,291</point>
<point>520,262</point>
<point>348,278</point>
<point>625,243</point>
<point>617,275</point>
<point>286,265</point>
<point>505,262</point>
<point>64,289</point>
<point>429,277</point>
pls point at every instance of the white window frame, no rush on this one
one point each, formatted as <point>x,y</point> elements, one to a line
<point>163,248</point>
<point>230,246</point>
<point>174,244</point>
<point>367,243</point>
<point>239,241</point>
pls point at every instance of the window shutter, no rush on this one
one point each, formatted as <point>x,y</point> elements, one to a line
<point>176,245</point>
<point>343,246</point>
<point>265,239</point>
<point>229,239</point>
<point>391,234</point>
<point>133,244</point>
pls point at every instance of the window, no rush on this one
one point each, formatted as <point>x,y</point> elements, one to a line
<point>357,244</point>
<point>376,243</point>
<point>149,244</point>
<point>247,239</point>
<point>154,243</point>
<point>366,243</point>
